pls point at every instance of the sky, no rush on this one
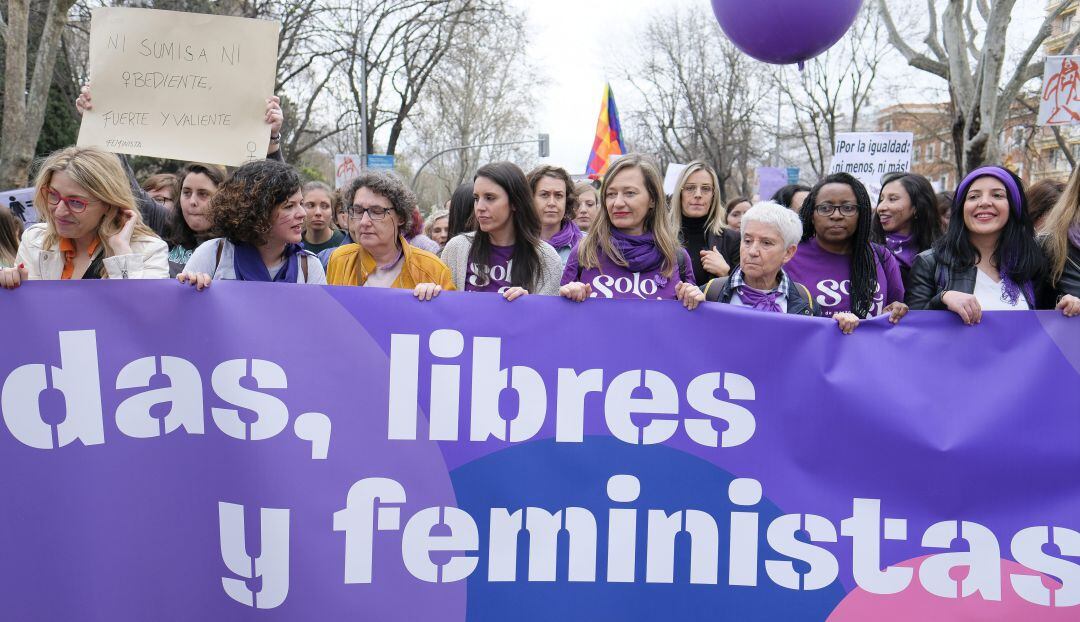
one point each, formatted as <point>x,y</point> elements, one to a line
<point>578,41</point>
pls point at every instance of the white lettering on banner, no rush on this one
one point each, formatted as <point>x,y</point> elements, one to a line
<point>76,384</point>
<point>489,379</point>
<point>606,286</point>
<point>375,504</point>
<point>272,564</point>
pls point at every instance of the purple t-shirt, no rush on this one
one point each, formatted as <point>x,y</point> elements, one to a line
<point>497,272</point>
<point>611,280</point>
<point>828,277</point>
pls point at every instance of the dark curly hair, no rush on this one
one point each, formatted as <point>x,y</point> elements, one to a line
<point>243,208</point>
<point>386,185</point>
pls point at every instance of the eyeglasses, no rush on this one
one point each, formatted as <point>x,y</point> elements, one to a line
<point>375,213</point>
<point>76,205</point>
<point>693,189</point>
<point>161,200</point>
<point>825,209</point>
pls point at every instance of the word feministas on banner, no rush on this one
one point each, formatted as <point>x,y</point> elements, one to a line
<point>78,378</point>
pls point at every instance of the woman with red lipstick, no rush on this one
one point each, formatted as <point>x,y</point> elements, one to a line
<point>631,251</point>
<point>260,218</point>
<point>844,271</point>
<point>988,259</point>
<point>504,254</point>
<point>92,227</point>
<point>906,220</point>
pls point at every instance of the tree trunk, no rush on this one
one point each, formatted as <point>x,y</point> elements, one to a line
<point>24,109</point>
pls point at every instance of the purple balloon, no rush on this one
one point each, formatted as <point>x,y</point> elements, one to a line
<point>785,31</point>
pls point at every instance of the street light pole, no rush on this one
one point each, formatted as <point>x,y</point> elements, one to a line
<point>540,141</point>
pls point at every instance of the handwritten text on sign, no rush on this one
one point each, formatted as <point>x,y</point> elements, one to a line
<point>186,86</point>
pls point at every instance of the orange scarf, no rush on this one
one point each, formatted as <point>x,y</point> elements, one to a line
<point>67,249</point>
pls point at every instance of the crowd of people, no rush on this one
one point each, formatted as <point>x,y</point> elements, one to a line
<point>826,250</point>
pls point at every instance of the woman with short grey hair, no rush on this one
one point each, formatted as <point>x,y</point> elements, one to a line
<point>770,237</point>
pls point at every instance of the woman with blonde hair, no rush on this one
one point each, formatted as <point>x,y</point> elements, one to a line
<point>631,250</point>
<point>10,232</point>
<point>700,219</point>
<point>91,229</point>
<point>437,226</point>
<point>1060,240</point>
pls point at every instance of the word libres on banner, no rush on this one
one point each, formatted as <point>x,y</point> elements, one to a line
<point>461,444</point>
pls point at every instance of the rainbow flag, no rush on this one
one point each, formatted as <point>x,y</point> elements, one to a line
<point>608,141</point>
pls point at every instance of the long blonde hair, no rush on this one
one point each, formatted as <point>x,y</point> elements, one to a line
<point>10,233</point>
<point>101,175</point>
<point>716,219</point>
<point>1055,230</point>
<point>657,221</point>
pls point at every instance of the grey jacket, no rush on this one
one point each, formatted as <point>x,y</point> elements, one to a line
<point>456,255</point>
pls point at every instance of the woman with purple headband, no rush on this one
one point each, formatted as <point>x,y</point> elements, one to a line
<point>988,259</point>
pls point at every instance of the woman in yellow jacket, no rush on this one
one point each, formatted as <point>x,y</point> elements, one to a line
<point>379,209</point>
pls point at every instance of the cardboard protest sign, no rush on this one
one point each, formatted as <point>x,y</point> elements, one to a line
<point>1060,101</point>
<point>870,155</point>
<point>346,168</point>
<point>21,204</point>
<point>671,177</point>
<point>186,86</point>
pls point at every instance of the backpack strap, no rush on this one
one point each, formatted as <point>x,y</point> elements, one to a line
<point>217,260</point>
<point>715,287</point>
<point>809,298</point>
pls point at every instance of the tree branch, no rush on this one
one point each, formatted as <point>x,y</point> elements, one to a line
<point>915,59</point>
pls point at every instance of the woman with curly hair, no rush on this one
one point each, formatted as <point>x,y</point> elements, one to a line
<point>380,211</point>
<point>845,271</point>
<point>260,220</point>
<point>92,227</point>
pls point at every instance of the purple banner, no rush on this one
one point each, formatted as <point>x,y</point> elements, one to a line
<point>277,452</point>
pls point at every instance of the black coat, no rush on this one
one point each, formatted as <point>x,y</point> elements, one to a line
<point>930,279</point>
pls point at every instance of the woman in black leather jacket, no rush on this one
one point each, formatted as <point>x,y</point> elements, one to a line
<point>988,258</point>
<point>1060,238</point>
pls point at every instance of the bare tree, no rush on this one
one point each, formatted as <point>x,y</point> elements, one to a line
<point>980,99</point>
<point>702,97</point>
<point>393,49</point>
<point>24,104</point>
<point>483,93</point>
<point>831,94</point>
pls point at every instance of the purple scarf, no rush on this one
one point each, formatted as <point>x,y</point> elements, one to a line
<point>639,251</point>
<point>250,267</point>
<point>1074,235</point>
<point>567,237</point>
<point>900,246</point>
<point>762,301</point>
